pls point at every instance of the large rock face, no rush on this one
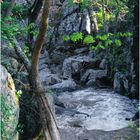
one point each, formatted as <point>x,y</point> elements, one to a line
<point>10,107</point>
<point>70,19</point>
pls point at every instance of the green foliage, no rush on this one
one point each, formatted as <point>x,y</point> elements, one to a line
<point>76,36</point>
<point>111,47</point>
<point>114,11</point>
<point>100,45</point>
<point>102,37</point>
<point>109,42</point>
<point>88,39</point>
<point>99,19</point>
<point>82,3</point>
<point>66,38</point>
<point>18,9</point>
<point>126,34</point>
<point>19,93</point>
<point>118,42</point>
<point>99,15</point>
<point>5,5</point>
<point>11,27</point>
<point>70,3</point>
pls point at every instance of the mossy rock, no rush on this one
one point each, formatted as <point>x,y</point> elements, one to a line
<point>9,106</point>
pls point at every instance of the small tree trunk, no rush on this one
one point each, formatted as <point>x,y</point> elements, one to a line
<point>103,14</point>
<point>49,125</point>
<point>96,29</point>
<point>32,17</point>
<point>93,19</point>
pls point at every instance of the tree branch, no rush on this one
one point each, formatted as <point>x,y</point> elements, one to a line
<point>22,56</point>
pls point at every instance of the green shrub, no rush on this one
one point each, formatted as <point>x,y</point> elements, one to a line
<point>110,44</point>
<point>18,10</point>
<point>76,36</point>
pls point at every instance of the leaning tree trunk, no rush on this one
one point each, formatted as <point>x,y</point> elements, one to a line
<point>49,125</point>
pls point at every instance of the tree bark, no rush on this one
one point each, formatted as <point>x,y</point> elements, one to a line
<point>49,125</point>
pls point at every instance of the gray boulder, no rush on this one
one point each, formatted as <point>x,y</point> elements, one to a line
<point>76,65</point>
<point>92,77</point>
<point>103,64</point>
<point>66,85</point>
<point>58,55</point>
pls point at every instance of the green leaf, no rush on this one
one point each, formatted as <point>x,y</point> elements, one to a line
<point>109,34</point>
<point>10,45</point>
<point>66,38</point>
<point>101,46</point>
<point>92,48</point>
<point>19,93</point>
<point>126,34</point>
<point>76,36</point>
<point>88,39</point>
<point>118,42</point>
<point>102,38</point>
<point>108,42</point>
